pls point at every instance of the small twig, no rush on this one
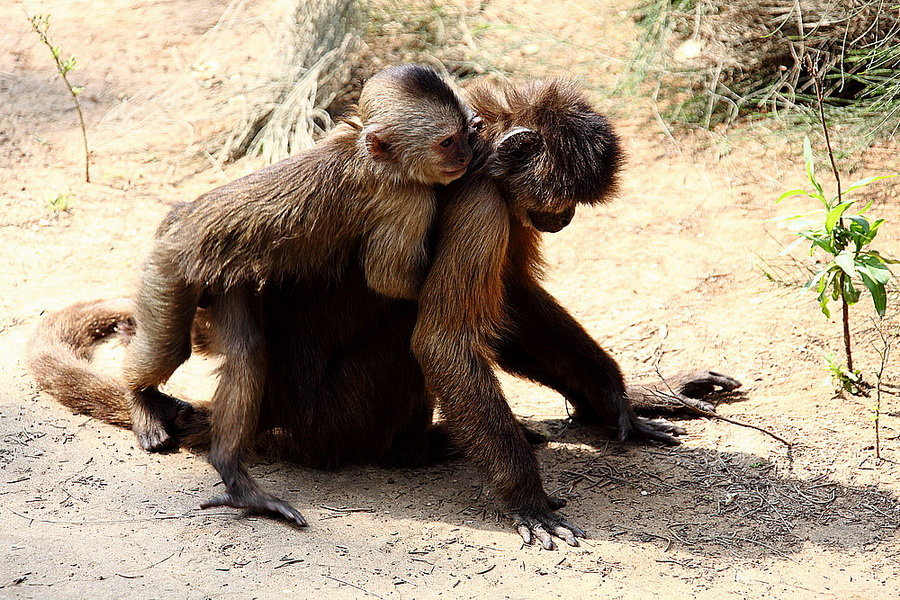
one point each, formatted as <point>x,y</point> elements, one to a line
<point>114,521</point>
<point>883,354</point>
<point>712,415</point>
<point>347,510</point>
<point>362,589</point>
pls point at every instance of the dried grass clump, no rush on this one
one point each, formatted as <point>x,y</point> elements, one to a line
<point>310,68</point>
<point>330,48</point>
<point>723,60</point>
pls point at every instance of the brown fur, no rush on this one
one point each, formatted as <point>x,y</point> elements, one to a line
<point>341,382</point>
<point>363,194</point>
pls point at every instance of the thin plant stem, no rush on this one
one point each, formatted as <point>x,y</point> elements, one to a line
<point>883,353</point>
<point>845,314</point>
<point>845,308</point>
<point>40,25</point>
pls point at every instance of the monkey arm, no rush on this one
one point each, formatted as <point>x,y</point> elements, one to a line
<point>164,310</point>
<point>460,310</point>
<point>394,253</point>
<point>546,344</point>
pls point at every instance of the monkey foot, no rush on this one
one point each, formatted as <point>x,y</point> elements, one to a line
<point>542,525</point>
<point>157,430</point>
<point>658,430</point>
<point>258,502</point>
<point>681,394</point>
<point>154,438</point>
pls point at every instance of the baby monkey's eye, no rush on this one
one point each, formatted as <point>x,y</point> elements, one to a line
<point>476,124</point>
<point>446,143</point>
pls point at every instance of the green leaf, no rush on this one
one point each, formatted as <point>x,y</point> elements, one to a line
<point>811,171</point>
<point>787,250</point>
<point>790,193</point>
<point>859,224</point>
<point>821,242</point>
<point>823,281</point>
<point>879,296</point>
<point>849,291</point>
<point>836,288</point>
<point>866,207</point>
<point>846,262</point>
<point>864,182</point>
<point>806,215</point>
<point>874,268</point>
<point>835,214</point>
<point>885,259</point>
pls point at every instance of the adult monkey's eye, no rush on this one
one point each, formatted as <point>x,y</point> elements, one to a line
<point>447,142</point>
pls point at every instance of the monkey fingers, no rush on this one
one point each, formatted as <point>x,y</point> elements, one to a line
<point>657,430</point>
<point>700,405</point>
<point>702,383</point>
<point>259,502</point>
<point>543,525</point>
<point>155,425</point>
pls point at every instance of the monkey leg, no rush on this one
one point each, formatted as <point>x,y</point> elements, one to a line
<point>236,405</point>
<point>480,422</point>
<point>441,447</point>
<point>546,344</point>
<point>162,342</point>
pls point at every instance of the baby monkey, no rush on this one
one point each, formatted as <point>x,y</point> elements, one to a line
<point>364,191</point>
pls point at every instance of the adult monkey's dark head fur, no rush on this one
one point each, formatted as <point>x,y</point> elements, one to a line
<point>549,150</point>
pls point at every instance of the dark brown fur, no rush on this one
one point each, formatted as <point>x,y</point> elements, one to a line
<point>365,193</point>
<point>346,386</point>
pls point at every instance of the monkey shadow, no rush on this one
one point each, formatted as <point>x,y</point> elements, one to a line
<point>707,501</point>
<point>700,500</point>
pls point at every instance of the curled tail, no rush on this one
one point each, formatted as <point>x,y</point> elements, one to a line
<point>59,357</point>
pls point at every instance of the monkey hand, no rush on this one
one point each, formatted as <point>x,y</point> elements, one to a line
<point>698,384</point>
<point>541,524</point>
<point>681,393</point>
<point>257,501</point>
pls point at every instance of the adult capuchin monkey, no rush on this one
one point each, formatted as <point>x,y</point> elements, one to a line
<point>364,195</point>
<point>341,383</point>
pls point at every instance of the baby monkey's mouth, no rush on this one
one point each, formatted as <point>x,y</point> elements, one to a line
<point>455,173</point>
<point>551,222</point>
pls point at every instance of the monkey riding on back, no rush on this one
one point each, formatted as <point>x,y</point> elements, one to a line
<point>342,372</point>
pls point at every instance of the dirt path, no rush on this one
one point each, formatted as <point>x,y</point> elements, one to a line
<point>668,273</point>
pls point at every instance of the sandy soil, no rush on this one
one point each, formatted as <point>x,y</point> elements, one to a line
<point>668,274</point>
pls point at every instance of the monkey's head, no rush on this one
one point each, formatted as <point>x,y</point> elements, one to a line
<point>414,120</point>
<point>548,149</point>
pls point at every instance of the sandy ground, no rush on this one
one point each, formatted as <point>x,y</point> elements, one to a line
<point>668,274</point>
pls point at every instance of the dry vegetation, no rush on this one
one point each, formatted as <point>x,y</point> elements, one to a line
<point>718,62</point>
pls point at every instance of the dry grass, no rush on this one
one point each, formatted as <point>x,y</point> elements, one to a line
<point>718,61</point>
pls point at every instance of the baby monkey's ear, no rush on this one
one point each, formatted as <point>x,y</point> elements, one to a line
<point>378,147</point>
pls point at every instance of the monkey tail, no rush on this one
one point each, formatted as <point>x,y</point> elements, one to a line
<point>59,357</point>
